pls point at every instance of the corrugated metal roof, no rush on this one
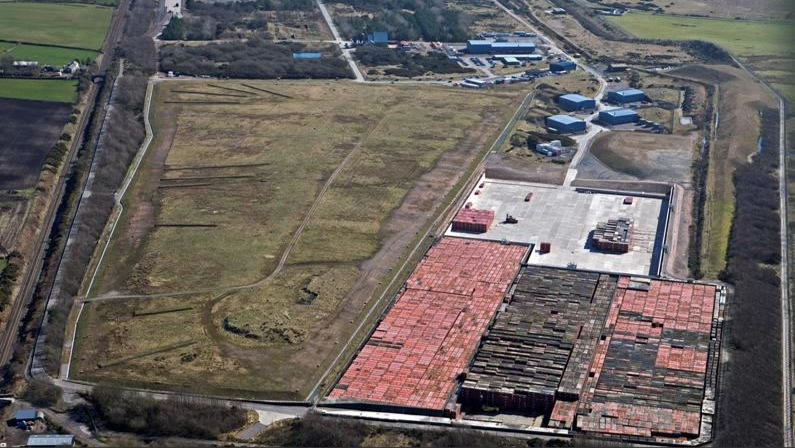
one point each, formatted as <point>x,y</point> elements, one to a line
<point>51,440</point>
<point>25,414</point>
<point>626,92</point>
<point>564,119</point>
<point>619,112</point>
<point>307,55</point>
<point>478,42</point>
<point>498,45</point>
<point>576,97</point>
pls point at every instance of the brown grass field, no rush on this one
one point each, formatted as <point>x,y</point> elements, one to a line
<point>646,156</point>
<point>207,211</point>
<point>739,101</point>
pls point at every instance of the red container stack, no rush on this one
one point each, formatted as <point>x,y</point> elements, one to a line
<point>472,220</point>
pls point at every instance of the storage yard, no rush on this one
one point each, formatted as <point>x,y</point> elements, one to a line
<point>425,341</point>
<point>630,358</point>
<point>565,218</point>
<point>586,342</point>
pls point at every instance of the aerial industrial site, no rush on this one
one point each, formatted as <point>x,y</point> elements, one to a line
<point>396,223</point>
<point>493,327</point>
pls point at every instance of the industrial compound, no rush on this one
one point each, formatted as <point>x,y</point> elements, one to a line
<point>542,309</point>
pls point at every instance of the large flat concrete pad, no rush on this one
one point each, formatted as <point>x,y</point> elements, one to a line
<point>565,218</point>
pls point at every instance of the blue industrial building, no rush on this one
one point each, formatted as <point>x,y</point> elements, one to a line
<point>378,38</point>
<point>301,56</point>
<point>565,124</point>
<point>479,46</point>
<point>574,102</point>
<point>618,116</point>
<point>562,66</point>
<point>626,96</point>
<point>513,47</point>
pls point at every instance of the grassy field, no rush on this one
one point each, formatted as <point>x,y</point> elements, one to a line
<point>38,89</point>
<point>740,37</point>
<point>45,55</point>
<point>82,26</point>
<point>231,175</point>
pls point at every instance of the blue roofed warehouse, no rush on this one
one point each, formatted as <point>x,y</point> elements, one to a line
<point>513,47</point>
<point>574,102</point>
<point>565,124</point>
<point>562,66</point>
<point>618,116</point>
<point>378,38</point>
<point>626,96</point>
<point>302,56</point>
<point>478,46</point>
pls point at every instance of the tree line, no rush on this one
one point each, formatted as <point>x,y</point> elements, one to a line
<point>411,64</point>
<point>254,58</point>
<point>176,416</point>
<point>429,20</point>
<point>750,404</point>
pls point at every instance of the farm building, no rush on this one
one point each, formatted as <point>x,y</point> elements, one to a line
<point>562,66</point>
<point>378,38</point>
<point>574,102</point>
<point>477,46</point>
<point>618,116</point>
<point>626,96</point>
<point>565,124</point>
<point>51,440</point>
<point>303,56</point>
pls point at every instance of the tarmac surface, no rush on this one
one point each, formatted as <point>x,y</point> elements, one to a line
<point>565,218</point>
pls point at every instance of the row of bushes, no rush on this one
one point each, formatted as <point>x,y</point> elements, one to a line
<point>750,406</point>
<point>700,170</point>
<point>8,276</point>
<point>255,58</point>
<point>316,430</point>
<point>176,416</point>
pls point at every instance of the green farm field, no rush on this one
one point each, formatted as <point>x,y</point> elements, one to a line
<point>743,38</point>
<point>45,55</point>
<point>38,89</point>
<point>71,25</point>
<point>338,180</point>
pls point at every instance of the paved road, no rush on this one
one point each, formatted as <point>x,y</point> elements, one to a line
<point>584,140</point>
<point>345,52</point>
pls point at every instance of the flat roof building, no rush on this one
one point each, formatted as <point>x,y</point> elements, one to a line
<point>624,96</point>
<point>615,117</point>
<point>378,38</point>
<point>565,124</point>
<point>51,440</point>
<point>513,47</point>
<point>482,46</point>
<point>303,56</point>
<point>573,102</point>
<point>562,66</point>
